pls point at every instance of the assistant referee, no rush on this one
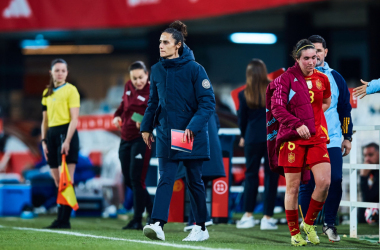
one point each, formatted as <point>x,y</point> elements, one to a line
<point>60,111</point>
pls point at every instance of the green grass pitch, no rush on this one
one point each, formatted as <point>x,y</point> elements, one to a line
<point>106,234</point>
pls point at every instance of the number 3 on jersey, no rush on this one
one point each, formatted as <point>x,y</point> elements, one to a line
<point>311,96</point>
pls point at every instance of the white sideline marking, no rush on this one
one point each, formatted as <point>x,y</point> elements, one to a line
<point>120,239</point>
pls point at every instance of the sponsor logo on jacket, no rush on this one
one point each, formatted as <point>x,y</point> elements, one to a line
<point>271,136</point>
<point>271,122</point>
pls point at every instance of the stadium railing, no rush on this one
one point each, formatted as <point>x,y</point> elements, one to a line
<point>353,166</point>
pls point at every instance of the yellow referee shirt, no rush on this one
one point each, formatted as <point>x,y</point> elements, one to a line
<point>59,103</point>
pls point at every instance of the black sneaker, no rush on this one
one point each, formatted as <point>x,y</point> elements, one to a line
<point>65,225</point>
<point>134,225</point>
<point>55,225</point>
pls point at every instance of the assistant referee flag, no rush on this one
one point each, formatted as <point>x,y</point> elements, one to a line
<point>66,194</point>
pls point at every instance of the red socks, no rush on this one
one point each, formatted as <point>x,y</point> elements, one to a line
<point>292,218</point>
<point>314,208</point>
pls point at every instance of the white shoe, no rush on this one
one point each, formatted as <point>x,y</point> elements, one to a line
<point>245,222</point>
<point>331,233</point>
<point>268,224</point>
<point>197,234</point>
<point>207,224</point>
<point>154,232</point>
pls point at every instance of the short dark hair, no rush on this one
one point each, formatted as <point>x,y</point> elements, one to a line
<point>318,39</point>
<point>372,145</point>
<point>138,65</point>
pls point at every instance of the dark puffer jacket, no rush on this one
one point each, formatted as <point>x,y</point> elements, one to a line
<point>181,97</point>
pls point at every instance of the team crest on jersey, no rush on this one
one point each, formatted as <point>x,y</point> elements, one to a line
<point>206,84</point>
<point>309,84</point>
<point>319,84</point>
<point>291,157</point>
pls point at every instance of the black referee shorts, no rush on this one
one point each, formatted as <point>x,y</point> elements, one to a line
<point>55,138</point>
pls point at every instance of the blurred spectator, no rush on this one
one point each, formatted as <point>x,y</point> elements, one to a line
<point>369,179</point>
<point>252,124</point>
<point>4,157</point>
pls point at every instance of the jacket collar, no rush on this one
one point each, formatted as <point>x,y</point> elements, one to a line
<point>187,55</point>
<point>325,67</point>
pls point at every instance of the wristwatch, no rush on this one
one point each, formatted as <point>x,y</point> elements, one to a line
<point>43,140</point>
<point>348,138</point>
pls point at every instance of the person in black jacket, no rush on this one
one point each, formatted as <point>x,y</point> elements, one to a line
<point>181,98</point>
<point>252,124</point>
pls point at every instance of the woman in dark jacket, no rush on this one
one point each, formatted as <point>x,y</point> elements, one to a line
<point>252,125</point>
<point>181,97</point>
<point>134,155</point>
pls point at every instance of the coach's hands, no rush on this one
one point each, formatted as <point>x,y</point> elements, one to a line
<point>188,136</point>
<point>346,147</point>
<point>148,138</point>
<point>361,91</point>
<point>304,132</point>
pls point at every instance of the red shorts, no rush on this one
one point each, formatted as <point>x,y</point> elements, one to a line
<point>294,156</point>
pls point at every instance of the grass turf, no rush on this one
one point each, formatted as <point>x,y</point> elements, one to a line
<point>221,236</point>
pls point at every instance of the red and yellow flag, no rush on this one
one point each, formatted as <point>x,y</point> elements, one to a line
<point>66,194</point>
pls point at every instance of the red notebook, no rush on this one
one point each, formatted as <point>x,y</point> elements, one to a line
<point>178,143</point>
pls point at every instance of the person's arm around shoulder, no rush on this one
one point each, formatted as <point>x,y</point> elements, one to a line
<point>279,101</point>
<point>367,88</point>
<point>206,101</point>
<point>146,127</point>
<point>344,111</point>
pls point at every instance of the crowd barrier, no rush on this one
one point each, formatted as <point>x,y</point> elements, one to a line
<point>353,166</point>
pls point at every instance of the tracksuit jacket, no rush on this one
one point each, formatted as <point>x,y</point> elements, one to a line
<point>338,116</point>
<point>373,87</point>
<point>287,108</point>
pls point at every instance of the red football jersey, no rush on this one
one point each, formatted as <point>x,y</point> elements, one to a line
<point>319,89</point>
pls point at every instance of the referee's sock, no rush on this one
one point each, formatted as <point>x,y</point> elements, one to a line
<point>202,224</point>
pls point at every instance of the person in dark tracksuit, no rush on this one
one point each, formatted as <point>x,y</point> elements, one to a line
<point>134,154</point>
<point>60,112</point>
<point>252,124</point>
<point>181,97</point>
<point>339,123</point>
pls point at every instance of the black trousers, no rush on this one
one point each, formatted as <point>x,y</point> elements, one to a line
<point>134,157</point>
<point>253,155</point>
<point>168,170</point>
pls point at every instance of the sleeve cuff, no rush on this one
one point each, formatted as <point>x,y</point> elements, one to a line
<point>298,124</point>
